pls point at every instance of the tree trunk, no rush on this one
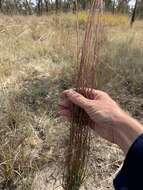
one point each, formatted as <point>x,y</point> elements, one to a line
<point>28,7</point>
<point>0,5</point>
<point>113,7</point>
<point>57,5</point>
<point>39,7</point>
<point>46,6</point>
<point>74,7</point>
<point>134,14</point>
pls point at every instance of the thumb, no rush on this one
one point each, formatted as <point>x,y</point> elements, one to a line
<point>76,98</point>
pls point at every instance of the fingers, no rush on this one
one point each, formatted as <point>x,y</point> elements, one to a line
<point>76,98</point>
<point>65,113</point>
<point>64,103</point>
<point>64,109</point>
<point>99,94</point>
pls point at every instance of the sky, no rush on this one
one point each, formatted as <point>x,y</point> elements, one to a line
<point>132,3</point>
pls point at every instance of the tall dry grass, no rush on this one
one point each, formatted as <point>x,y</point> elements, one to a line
<point>77,153</point>
<point>37,61</point>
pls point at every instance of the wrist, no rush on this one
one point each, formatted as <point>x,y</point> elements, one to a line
<point>128,130</point>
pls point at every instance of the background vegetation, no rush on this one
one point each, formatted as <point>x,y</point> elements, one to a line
<point>39,7</point>
<point>37,62</point>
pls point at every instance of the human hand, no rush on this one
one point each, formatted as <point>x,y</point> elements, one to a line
<point>110,121</point>
<point>102,110</point>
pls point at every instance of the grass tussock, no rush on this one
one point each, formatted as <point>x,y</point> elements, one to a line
<point>37,61</point>
<point>108,19</point>
<point>77,154</point>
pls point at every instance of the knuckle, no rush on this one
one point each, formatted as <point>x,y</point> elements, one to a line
<point>88,104</point>
<point>77,96</point>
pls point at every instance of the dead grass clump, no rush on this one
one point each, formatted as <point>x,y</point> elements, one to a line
<point>14,158</point>
<point>79,140</point>
<point>108,19</point>
<point>37,61</point>
<point>22,134</point>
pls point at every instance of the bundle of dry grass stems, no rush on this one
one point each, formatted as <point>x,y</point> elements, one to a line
<point>79,139</point>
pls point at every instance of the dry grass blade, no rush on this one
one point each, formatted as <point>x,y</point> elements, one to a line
<point>79,140</point>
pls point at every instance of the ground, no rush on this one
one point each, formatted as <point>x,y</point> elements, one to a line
<point>37,62</point>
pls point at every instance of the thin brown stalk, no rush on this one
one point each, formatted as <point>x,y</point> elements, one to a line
<point>79,139</point>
